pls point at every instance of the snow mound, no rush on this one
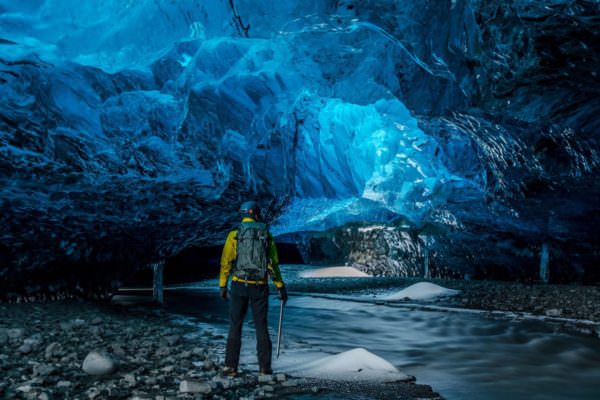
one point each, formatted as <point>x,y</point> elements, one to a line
<point>352,365</point>
<point>421,291</point>
<point>334,272</point>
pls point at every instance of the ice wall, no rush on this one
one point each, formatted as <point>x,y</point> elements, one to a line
<point>130,130</point>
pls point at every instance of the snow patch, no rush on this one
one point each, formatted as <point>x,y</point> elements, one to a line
<point>352,365</point>
<point>334,272</point>
<point>421,291</point>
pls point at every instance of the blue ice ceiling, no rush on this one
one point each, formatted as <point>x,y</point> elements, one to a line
<point>147,122</point>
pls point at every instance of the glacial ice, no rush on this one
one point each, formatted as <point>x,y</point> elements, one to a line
<point>132,130</point>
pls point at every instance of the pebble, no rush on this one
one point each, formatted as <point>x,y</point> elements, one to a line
<point>553,312</point>
<point>93,392</point>
<point>63,384</point>
<point>172,340</point>
<point>96,330</point>
<point>265,378</point>
<point>280,377</point>
<point>25,348</point>
<point>130,379</point>
<point>98,363</point>
<point>24,388</point>
<point>194,387</point>
<point>162,352</point>
<point>52,350</point>
<point>208,364</point>
<point>225,383</point>
<point>268,388</point>
<point>43,370</point>
<point>15,333</point>
<point>30,344</point>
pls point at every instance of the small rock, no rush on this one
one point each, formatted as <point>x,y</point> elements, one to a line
<point>66,326</point>
<point>172,340</point>
<point>553,312</point>
<point>24,388</point>
<point>118,350</point>
<point>198,351</point>
<point>280,377</point>
<point>96,330</point>
<point>30,344</point>
<point>194,387</point>
<point>208,364</point>
<point>151,381</point>
<point>63,384</point>
<point>98,363</point>
<point>168,369</point>
<point>43,370</point>
<point>162,352</point>
<point>185,354</point>
<point>25,348</point>
<point>43,396</point>
<point>93,392</point>
<point>15,333</point>
<point>225,383</point>
<point>96,321</point>
<point>268,388</point>
<point>52,350</point>
<point>265,378</point>
<point>130,379</point>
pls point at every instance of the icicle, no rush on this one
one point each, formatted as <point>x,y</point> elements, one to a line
<point>426,272</point>
<point>545,263</point>
<point>157,282</point>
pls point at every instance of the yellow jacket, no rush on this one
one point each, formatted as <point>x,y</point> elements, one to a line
<point>230,253</point>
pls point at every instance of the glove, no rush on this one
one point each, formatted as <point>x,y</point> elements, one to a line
<point>283,294</point>
<point>223,293</point>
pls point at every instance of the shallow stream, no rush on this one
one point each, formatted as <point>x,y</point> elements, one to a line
<point>462,355</point>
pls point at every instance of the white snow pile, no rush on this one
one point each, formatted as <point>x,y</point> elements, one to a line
<point>334,272</point>
<point>352,365</point>
<point>421,291</point>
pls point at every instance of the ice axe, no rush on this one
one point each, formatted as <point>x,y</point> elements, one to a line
<point>279,331</point>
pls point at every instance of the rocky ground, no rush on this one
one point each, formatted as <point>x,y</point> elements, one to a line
<point>82,350</point>
<point>564,301</point>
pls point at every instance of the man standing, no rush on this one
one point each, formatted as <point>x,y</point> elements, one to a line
<point>249,256</point>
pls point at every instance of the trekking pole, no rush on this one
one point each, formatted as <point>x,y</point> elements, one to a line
<point>279,330</point>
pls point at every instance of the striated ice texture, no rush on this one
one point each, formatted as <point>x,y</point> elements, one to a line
<point>130,130</point>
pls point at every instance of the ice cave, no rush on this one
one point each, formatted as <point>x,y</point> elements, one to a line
<point>428,171</point>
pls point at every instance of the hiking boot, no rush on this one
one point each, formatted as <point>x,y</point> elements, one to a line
<point>266,371</point>
<point>230,372</point>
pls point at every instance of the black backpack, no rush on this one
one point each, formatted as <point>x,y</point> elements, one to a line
<point>252,251</point>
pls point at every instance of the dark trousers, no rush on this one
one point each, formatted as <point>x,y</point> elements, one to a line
<point>258,296</point>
